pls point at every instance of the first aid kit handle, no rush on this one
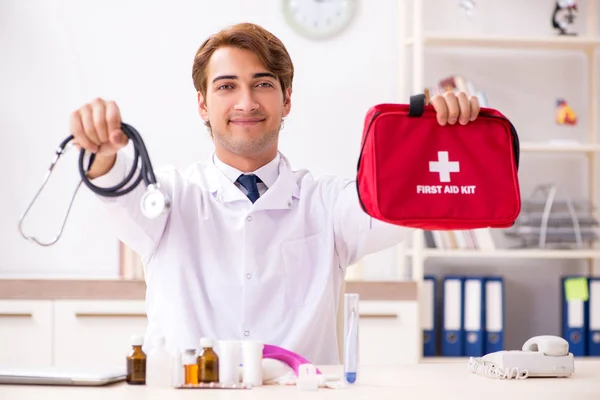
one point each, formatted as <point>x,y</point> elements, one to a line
<point>416,105</point>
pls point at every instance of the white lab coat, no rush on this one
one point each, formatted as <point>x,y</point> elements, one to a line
<point>219,266</point>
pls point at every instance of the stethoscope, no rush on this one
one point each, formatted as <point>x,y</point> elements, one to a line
<point>154,202</point>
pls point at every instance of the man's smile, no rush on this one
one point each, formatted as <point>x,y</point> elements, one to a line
<point>246,121</point>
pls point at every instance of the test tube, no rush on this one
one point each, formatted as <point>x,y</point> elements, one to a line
<point>229,361</point>
<point>252,355</point>
<point>351,316</point>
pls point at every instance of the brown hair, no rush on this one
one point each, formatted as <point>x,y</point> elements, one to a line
<point>267,47</point>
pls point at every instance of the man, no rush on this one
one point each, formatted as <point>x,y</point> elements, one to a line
<point>250,249</point>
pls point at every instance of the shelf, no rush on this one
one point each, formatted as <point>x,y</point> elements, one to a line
<point>416,73</point>
<point>558,147</point>
<point>519,42</point>
<point>516,253</point>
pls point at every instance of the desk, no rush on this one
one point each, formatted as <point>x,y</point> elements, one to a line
<point>439,381</point>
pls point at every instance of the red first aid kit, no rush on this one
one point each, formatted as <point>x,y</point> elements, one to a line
<point>414,172</point>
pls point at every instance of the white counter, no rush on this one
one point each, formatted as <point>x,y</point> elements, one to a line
<point>439,381</point>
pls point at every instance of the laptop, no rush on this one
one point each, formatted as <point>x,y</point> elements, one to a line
<point>61,376</point>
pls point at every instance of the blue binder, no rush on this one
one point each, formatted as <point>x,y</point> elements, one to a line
<point>574,321</point>
<point>593,333</point>
<point>429,316</point>
<point>474,316</point>
<point>494,314</point>
<point>452,321</point>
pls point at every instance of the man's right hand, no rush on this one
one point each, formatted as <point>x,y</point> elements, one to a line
<point>96,127</point>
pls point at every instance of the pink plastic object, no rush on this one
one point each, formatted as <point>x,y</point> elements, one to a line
<point>290,358</point>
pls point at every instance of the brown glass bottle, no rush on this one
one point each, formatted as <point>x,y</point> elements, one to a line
<point>136,363</point>
<point>208,362</point>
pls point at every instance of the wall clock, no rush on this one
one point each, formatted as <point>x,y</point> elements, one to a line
<point>319,19</point>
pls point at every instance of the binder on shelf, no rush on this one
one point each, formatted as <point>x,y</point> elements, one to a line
<point>593,333</point>
<point>474,316</point>
<point>428,316</point>
<point>494,314</point>
<point>452,321</point>
<point>574,290</point>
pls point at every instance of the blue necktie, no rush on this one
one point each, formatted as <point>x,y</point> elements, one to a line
<point>249,182</point>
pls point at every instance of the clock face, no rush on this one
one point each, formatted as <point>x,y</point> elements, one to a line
<point>319,19</point>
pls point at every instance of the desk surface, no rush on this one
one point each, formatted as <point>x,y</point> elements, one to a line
<point>127,289</point>
<point>447,380</point>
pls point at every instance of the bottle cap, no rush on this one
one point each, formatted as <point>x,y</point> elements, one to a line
<point>137,340</point>
<point>206,342</point>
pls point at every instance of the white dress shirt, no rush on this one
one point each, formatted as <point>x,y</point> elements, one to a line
<point>268,174</point>
<point>217,265</point>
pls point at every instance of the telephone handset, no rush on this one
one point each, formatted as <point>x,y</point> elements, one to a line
<point>541,356</point>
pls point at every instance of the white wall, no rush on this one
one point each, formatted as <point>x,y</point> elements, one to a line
<point>57,55</point>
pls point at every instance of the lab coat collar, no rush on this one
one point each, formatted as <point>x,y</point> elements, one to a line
<point>279,196</point>
<point>268,173</point>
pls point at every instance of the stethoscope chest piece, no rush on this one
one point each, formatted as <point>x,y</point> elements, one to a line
<point>154,203</point>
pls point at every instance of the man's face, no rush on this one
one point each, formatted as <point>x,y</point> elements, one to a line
<point>244,102</point>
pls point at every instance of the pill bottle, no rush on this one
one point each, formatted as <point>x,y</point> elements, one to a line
<point>158,365</point>
<point>252,357</point>
<point>229,361</point>
<point>190,367</point>
<point>136,362</point>
<point>177,369</point>
<point>208,362</point>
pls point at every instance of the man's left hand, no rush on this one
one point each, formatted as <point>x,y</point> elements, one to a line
<point>452,107</point>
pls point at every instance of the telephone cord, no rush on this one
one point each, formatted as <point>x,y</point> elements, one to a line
<point>478,366</point>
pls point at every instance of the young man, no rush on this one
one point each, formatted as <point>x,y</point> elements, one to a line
<point>250,248</point>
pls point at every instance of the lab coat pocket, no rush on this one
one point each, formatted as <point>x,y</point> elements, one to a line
<point>307,268</point>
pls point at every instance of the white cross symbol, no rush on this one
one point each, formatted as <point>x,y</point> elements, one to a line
<point>443,166</point>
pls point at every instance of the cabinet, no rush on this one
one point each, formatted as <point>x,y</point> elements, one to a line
<point>77,333</point>
<point>26,332</point>
<point>68,333</point>
<point>387,333</point>
<point>97,331</point>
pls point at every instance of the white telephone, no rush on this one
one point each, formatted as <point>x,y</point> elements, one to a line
<point>541,356</point>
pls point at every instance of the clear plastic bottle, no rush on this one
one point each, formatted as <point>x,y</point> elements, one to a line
<point>158,365</point>
<point>136,362</point>
<point>208,362</point>
<point>177,372</point>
